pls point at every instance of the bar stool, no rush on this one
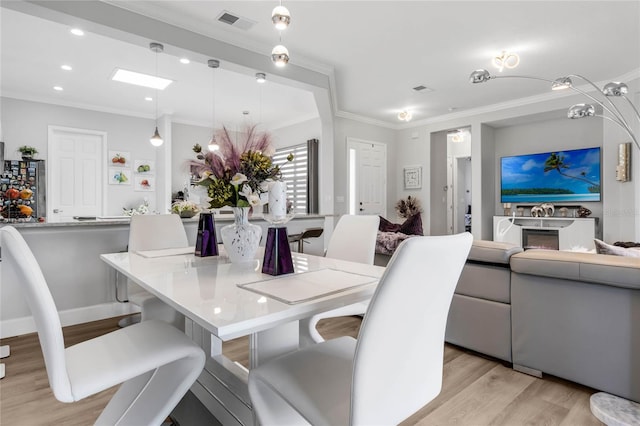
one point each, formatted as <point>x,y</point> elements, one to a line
<point>307,233</point>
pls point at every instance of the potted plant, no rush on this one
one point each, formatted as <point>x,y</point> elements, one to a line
<point>27,152</point>
<point>185,209</point>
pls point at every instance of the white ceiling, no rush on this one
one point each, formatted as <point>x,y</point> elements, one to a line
<point>33,49</point>
<point>376,52</point>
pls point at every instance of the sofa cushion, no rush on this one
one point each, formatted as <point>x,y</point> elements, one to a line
<point>485,281</point>
<point>604,248</point>
<point>616,271</point>
<point>493,251</point>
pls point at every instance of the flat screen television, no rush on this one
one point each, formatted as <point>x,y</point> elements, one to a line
<point>551,177</point>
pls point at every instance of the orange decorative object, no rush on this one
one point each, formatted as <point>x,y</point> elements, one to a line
<point>12,193</point>
<point>25,210</point>
<point>26,193</point>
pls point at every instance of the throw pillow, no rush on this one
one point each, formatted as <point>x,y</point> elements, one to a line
<point>386,226</point>
<point>604,248</point>
<point>412,226</point>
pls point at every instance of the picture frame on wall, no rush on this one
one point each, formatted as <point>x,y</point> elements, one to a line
<point>145,184</point>
<point>119,176</point>
<point>119,159</point>
<point>412,177</point>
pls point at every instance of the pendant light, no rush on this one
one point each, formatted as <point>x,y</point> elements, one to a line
<point>156,139</point>
<point>213,144</point>
<point>281,19</point>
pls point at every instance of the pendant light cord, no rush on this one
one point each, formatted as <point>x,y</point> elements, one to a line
<point>156,88</point>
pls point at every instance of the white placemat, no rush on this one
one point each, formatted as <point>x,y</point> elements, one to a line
<point>166,252</point>
<point>298,288</point>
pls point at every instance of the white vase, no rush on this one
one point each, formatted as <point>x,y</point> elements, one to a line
<point>241,239</point>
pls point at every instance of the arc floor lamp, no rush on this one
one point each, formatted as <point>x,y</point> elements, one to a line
<point>609,91</point>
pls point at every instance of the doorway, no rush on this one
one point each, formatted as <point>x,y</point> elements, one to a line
<point>75,181</point>
<point>367,171</point>
<point>459,181</point>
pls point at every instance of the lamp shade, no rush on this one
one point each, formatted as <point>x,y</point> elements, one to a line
<point>615,88</point>
<point>561,83</point>
<point>280,55</point>
<point>213,144</point>
<point>581,110</point>
<point>281,17</point>
<point>156,139</point>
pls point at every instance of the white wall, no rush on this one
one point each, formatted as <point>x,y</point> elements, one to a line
<point>298,133</point>
<point>184,137</point>
<point>26,123</point>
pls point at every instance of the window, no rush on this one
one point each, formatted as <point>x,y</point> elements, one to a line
<point>301,175</point>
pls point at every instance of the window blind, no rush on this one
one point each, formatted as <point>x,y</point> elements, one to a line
<point>301,175</point>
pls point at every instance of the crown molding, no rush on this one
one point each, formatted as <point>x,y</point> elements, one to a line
<point>366,120</point>
<point>78,105</point>
<point>529,100</point>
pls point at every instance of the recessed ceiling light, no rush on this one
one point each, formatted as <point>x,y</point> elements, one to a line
<point>66,67</point>
<point>185,61</point>
<point>58,88</point>
<point>148,99</point>
<point>140,79</point>
<point>77,31</point>
<point>261,77</point>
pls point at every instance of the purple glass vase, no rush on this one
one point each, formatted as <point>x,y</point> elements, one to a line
<point>277,254</point>
<point>206,242</point>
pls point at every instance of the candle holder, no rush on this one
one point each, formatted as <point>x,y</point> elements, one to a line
<point>277,253</point>
<point>206,242</point>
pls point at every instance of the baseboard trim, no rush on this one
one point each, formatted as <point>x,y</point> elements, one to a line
<point>25,325</point>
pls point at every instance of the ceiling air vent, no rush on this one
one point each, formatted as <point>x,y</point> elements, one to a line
<point>422,88</point>
<point>235,20</point>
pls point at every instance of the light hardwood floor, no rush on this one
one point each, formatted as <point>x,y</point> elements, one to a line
<point>476,390</point>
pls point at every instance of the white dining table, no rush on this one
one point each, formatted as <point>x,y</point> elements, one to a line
<point>223,300</point>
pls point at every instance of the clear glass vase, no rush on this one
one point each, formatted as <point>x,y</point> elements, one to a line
<point>241,239</point>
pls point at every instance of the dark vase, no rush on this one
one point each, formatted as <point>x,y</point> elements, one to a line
<point>277,254</point>
<point>206,242</point>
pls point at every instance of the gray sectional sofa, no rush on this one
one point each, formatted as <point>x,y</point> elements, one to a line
<point>480,313</point>
<point>572,315</point>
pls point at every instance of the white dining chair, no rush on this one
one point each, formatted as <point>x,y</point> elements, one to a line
<point>156,232</point>
<point>395,365</point>
<point>155,363</point>
<point>353,239</point>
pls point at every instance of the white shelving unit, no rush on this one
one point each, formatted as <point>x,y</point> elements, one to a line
<point>572,231</point>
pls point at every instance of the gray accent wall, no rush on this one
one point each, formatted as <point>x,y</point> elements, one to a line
<point>546,136</point>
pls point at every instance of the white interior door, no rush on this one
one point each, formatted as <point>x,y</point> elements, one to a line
<point>75,183</point>
<point>367,177</point>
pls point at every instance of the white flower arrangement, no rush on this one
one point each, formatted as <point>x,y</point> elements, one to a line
<point>185,208</point>
<point>141,209</point>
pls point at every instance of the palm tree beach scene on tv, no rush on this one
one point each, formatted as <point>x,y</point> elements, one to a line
<point>551,177</point>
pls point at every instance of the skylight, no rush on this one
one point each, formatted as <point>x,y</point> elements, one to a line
<point>140,79</point>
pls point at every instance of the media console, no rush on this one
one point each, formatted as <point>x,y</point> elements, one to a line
<point>555,233</point>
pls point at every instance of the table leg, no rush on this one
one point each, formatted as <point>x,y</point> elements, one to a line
<point>273,342</point>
